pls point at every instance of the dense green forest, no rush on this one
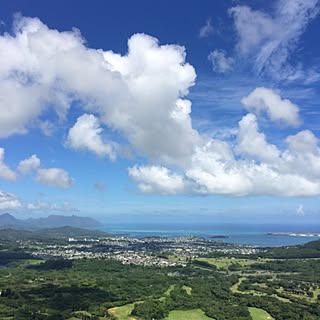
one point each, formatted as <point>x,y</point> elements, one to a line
<point>60,289</point>
<point>308,250</point>
<point>223,288</point>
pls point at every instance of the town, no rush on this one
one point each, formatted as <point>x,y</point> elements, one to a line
<point>149,251</point>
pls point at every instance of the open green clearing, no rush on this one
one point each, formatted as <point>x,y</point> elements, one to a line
<point>235,287</point>
<point>176,258</point>
<point>123,312</point>
<point>195,314</point>
<point>225,262</point>
<point>316,294</point>
<point>259,314</point>
<point>167,293</point>
<point>187,289</point>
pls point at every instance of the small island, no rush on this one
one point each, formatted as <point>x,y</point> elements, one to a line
<point>218,236</point>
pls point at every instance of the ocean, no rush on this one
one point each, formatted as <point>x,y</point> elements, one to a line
<point>249,234</point>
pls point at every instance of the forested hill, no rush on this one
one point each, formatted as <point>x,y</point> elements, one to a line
<point>49,234</point>
<point>52,221</point>
<point>308,250</point>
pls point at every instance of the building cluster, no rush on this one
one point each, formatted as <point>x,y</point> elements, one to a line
<point>151,251</point>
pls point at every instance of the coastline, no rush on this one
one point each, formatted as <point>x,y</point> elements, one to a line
<point>243,235</point>
<point>294,234</point>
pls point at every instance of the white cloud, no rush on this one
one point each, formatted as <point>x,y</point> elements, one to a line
<point>304,141</point>
<point>212,175</point>
<point>206,30</point>
<point>9,201</point>
<point>154,179</point>
<point>47,127</point>
<point>12,97</point>
<point>141,95</point>
<point>220,62</point>
<point>54,177</point>
<point>265,100</point>
<point>252,143</point>
<point>265,169</point>
<point>138,94</point>
<point>303,155</point>
<point>5,172</point>
<point>45,206</point>
<point>156,118</point>
<point>86,135</point>
<point>262,169</point>
<point>29,165</point>
<point>39,205</point>
<point>300,211</point>
<point>213,170</point>
<point>270,39</point>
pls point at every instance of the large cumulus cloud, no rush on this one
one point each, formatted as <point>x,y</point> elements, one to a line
<point>141,97</point>
<point>139,94</point>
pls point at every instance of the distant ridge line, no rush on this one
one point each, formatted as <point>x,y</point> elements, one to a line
<point>52,221</point>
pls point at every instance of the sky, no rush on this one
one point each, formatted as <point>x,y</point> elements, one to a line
<point>162,111</point>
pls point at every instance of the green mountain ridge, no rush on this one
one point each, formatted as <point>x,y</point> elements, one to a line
<point>308,250</point>
<point>52,221</point>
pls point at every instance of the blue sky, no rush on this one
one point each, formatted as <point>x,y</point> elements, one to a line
<point>163,112</point>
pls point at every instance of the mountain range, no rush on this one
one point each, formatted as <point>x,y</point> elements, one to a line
<point>52,221</point>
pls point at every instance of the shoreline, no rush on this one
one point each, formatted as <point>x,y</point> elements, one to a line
<point>294,234</point>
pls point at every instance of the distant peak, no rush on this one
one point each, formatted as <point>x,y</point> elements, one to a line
<point>7,215</point>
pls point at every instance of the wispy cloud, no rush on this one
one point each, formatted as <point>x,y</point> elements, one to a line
<point>46,206</point>
<point>221,63</point>
<point>9,201</point>
<point>206,30</point>
<point>300,211</point>
<point>270,39</point>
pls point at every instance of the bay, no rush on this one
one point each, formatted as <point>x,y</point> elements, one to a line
<point>243,234</point>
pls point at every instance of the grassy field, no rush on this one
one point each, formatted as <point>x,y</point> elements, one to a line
<point>315,295</point>
<point>259,314</point>
<point>224,263</point>
<point>123,312</point>
<point>187,289</point>
<point>194,314</point>
<point>30,262</point>
<point>174,258</point>
<point>167,293</point>
<point>313,299</point>
<point>235,287</point>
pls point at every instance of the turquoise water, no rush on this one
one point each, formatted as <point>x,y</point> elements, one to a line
<point>240,234</point>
